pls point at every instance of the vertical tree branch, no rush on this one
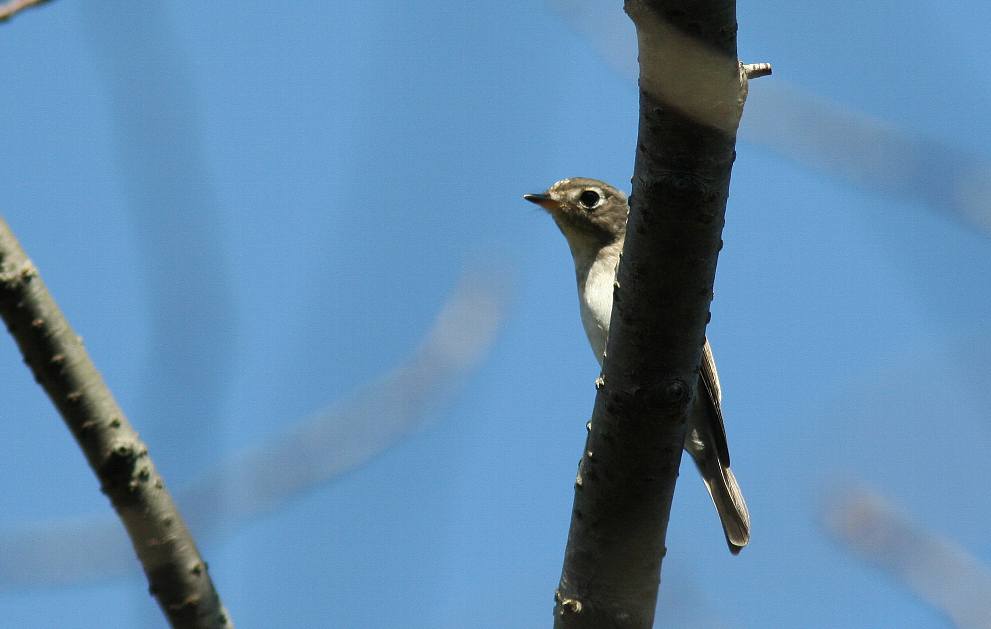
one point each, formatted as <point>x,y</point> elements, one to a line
<point>692,90</point>
<point>176,573</point>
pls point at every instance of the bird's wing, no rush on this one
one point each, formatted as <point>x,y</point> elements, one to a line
<point>709,380</point>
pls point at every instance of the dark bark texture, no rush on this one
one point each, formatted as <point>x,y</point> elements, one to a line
<point>177,575</point>
<point>691,98</point>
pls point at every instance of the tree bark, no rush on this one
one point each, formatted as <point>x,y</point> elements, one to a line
<point>692,90</point>
<point>177,574</point>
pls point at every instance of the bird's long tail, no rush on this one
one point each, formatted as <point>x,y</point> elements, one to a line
<point>726,496</point>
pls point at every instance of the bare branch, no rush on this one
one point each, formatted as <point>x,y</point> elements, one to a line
<point>692,91</point>
<point>12,7</point>
<point>937,570</point>
<point>308,454</point>
<point>177,574</point>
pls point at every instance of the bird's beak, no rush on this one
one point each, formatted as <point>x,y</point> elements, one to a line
<point>543,201</point>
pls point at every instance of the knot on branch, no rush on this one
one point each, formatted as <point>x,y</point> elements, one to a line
<point>681,186</point>
<point>676,392</point>
<point>566,606</point>
<point>670,397</point>
<point>12,279</point>
<point>120,471</point>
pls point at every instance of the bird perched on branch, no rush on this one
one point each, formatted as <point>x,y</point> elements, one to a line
<point>592,216</point>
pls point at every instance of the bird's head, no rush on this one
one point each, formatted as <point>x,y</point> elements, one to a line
<point>590,213</point>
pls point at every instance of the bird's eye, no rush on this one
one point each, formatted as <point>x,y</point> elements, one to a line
<point>589,199</point>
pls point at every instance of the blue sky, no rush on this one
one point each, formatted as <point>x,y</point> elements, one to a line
<point>251,211</point>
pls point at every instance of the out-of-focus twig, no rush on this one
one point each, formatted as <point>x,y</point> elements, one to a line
<point>348,435</point>
<point>935,569</point>
<point>9,9</point>
<point>176,572</point>
<point>171,196</point>
<point>872,154</point>
<point>310,453</point>
<point>854,147</point>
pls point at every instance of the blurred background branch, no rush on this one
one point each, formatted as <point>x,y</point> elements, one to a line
<point>171,198</point>
<point>826,137</point>
<point>9,9</point>
<point>307,454</point>
<point>935,569</point>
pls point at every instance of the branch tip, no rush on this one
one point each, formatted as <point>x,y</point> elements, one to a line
<point>757,70</point>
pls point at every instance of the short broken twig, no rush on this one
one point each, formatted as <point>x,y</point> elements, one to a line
<point>756,70</point>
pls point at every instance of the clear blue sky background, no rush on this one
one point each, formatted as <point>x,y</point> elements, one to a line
<point>250,209</point>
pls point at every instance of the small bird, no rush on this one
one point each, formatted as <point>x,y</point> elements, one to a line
<point>592,216</point>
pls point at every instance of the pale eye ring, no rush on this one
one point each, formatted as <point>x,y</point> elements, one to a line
<point>589,199</point>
